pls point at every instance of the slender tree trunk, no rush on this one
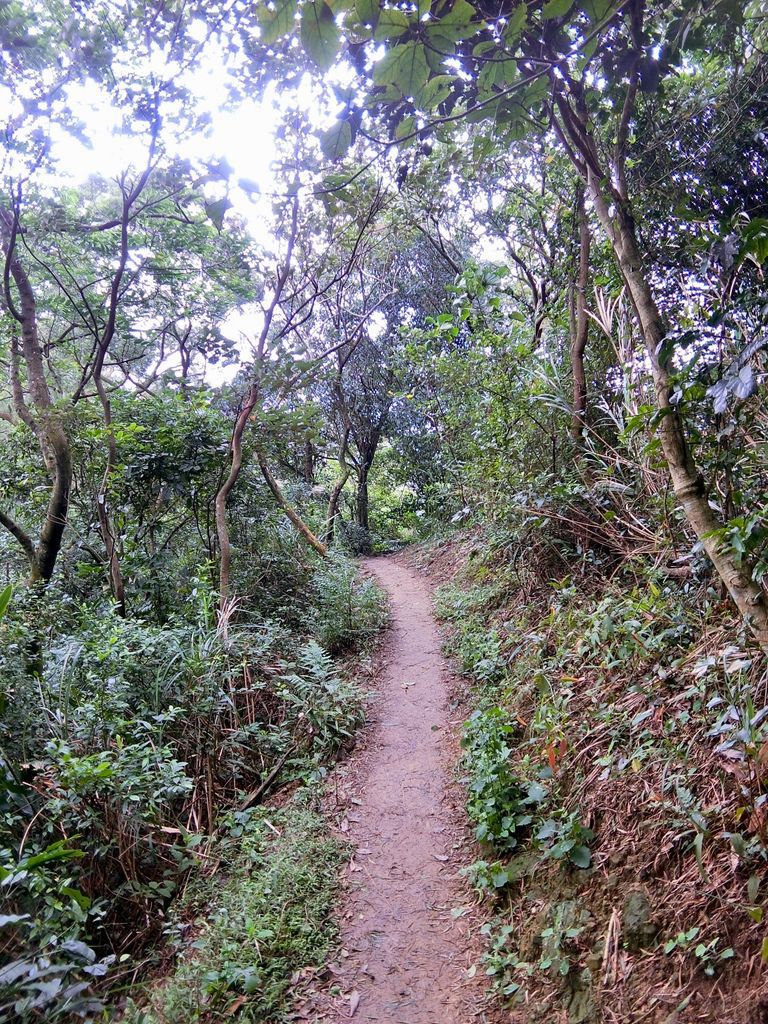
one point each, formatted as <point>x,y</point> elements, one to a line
<point>116,584</point>
<point>333,505</point>
<point>580,325</point>
<point>106,526</point>
<point>220,504</point>
<point>338,487</point>
<point>687,482</point>
<point>292,514</point>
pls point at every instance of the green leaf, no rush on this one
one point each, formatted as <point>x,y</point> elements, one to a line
<point>319,33</point>
<point>251,982</point>
<point>5,599</point>
<point>698,853</point>
<point>517,22</point>
<point>596,10</point>
<point>80,898</point>
<point>56,851</point>
<point>496,74</point>
<point>336,141</point>
<point>435,91</point>
<point>215,212</point>
<point>278,22</point>
<point>737,842</point>
<point>405,127</point>
<point>755,242</point>
<point>368,11</point>
<point>581,856</point>
<point>391,24</point>
<point>537,792</point>
<point>458,22</point>
<point>404,66</point>
<point>556,8</point>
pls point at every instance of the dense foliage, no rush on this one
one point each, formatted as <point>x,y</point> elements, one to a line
<point>504,271</point>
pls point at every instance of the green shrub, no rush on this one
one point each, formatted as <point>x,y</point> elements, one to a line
<point>270,917</point>
<point>348,611</point>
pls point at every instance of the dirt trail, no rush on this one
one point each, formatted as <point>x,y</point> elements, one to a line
<point>408,956</point>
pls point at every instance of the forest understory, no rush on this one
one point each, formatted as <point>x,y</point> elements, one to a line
<point>307,307</point>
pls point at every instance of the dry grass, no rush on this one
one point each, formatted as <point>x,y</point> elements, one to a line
<point>646,786</point>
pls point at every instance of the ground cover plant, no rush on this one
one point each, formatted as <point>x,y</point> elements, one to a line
<point>613,772</point>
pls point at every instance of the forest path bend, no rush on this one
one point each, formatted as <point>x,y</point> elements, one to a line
<point>409,958</point>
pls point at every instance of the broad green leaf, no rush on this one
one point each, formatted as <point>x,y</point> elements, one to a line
<point>496,75</point>
<point>484,47</point>
<point>581,856</point>
<point>404,66</point>
<point>556,8</point>
<point>391,24</point>
<point>405,127</point>
<point>755,241</point>
<point>435,91</point>
<point>336,185</point>
<point>80,898</point>
<point>368,11</point>
<point>215,212</point>
<point>458,21</point>
<point>596,10</point>
<point>278,22</point>
<point>439,46</point>
<point>319,33</point>
<point>337,140</point>
<point>481,147</point>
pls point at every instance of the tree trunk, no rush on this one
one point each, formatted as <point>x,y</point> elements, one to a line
<point>47,422</point>
<point>309,462</point>
<point>361,504</point>
<point>333,505</point>
<point>580,326</point>
<point>687,482</point>
<point>338,487</point>
<point>292,514</point>
<point>220,503</point>
<point>116,584</point>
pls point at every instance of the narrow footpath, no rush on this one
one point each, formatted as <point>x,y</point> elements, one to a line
<point>406,958</point>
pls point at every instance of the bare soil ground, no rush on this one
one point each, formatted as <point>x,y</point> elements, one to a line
<point>408,954</point>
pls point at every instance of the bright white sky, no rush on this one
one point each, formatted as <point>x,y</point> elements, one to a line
<point>244,137</point>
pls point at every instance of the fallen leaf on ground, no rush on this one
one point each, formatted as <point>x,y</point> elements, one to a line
<point>354,1002</point>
